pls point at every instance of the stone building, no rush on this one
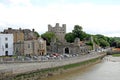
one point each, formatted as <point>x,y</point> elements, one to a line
<point>61,46</point>
<point>17,33</point>
<point>19,48</point>
<point>27,42</point>
<point>29,35</point>
<point>21,34</point>
<point>59,31</point>
<point>35,47</point>
<point>31,47</point>
<point>78,47</point>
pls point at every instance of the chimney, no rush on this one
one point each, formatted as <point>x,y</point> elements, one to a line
<point>33,30</point>
<point>9,28</point>
<point>20,29</point>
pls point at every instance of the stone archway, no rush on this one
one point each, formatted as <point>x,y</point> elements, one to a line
<point>66,50</point>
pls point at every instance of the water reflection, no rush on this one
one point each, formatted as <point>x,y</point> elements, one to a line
<point>106,70</point>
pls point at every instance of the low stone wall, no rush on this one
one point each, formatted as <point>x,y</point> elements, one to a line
<point>113,52</point>
<point>42,73</point>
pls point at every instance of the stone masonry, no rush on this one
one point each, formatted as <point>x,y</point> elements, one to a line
<point>59,31</point>
<point>61,46</point>
<point>78,47</point>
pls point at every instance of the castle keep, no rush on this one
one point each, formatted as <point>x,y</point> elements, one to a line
<point>59,31</point>
<point>61,46</point>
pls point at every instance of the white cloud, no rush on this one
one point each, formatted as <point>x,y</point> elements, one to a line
<point>20,3</point>
<point>95,19</point>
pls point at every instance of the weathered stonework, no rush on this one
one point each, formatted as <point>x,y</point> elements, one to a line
<point>21,34</point>
<point>19,48</point>
<point>31,47</point>
<point>21,37</point>
<point>35,47</point>
<point>61,46</point>
<point>59,31</point>
<point>17,33</point>
<point>78,47</point>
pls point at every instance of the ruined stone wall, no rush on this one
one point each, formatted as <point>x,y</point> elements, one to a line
<point>72,48</point>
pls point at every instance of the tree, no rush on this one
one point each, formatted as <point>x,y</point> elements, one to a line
<point>37,34</point>
<point>79,33</point>
<point>89,43</point>
<point>99,36</point>
<point>77,30</point>
<point>115,42</point>
<point>118,44</point>
<point>70,37</point>
<point>95,39</point>
<point>103,43</point>
<point>102,40</point>
<point>48,36</point>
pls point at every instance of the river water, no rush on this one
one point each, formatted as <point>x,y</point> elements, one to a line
<point>106,70</point>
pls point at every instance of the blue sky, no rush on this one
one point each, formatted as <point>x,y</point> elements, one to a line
<point>47,2</point>
<point>95,16</point>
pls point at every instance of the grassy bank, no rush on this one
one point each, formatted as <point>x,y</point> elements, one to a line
<point>116,55</point>
<point>40,74</point>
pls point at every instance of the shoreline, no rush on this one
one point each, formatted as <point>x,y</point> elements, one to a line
<point>112,58</point>
<point>38,72</point>
<point>72,71</point>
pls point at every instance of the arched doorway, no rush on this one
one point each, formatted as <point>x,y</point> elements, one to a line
<point>67,50</point>
<point>6,53</point>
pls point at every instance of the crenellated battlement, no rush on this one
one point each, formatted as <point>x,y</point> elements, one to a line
<point>58,30</point>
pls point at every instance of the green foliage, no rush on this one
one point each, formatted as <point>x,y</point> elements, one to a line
<point>98,39</point>
<point>118,44</point>
<point>79,33</point>
<point>88,37</point>
<point>103,43</point>
<point>37,34</point>
<point>48,36</point>
<point>101,40</point>
<point>116,55</point>
<point>115,42</point>
<point>89,43</point>
<point>99,36</point>
<point>70,37</point>
<point>77,30</point>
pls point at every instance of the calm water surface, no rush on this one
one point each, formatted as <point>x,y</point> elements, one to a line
<point>106,70</point>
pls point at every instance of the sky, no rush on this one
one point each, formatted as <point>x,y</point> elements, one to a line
<point>95,16</point>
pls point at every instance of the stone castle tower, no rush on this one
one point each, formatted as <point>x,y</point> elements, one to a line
<point>59,31</point>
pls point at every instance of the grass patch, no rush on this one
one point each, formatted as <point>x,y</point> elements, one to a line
<point>80,63</point>
<point>116,55</point>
